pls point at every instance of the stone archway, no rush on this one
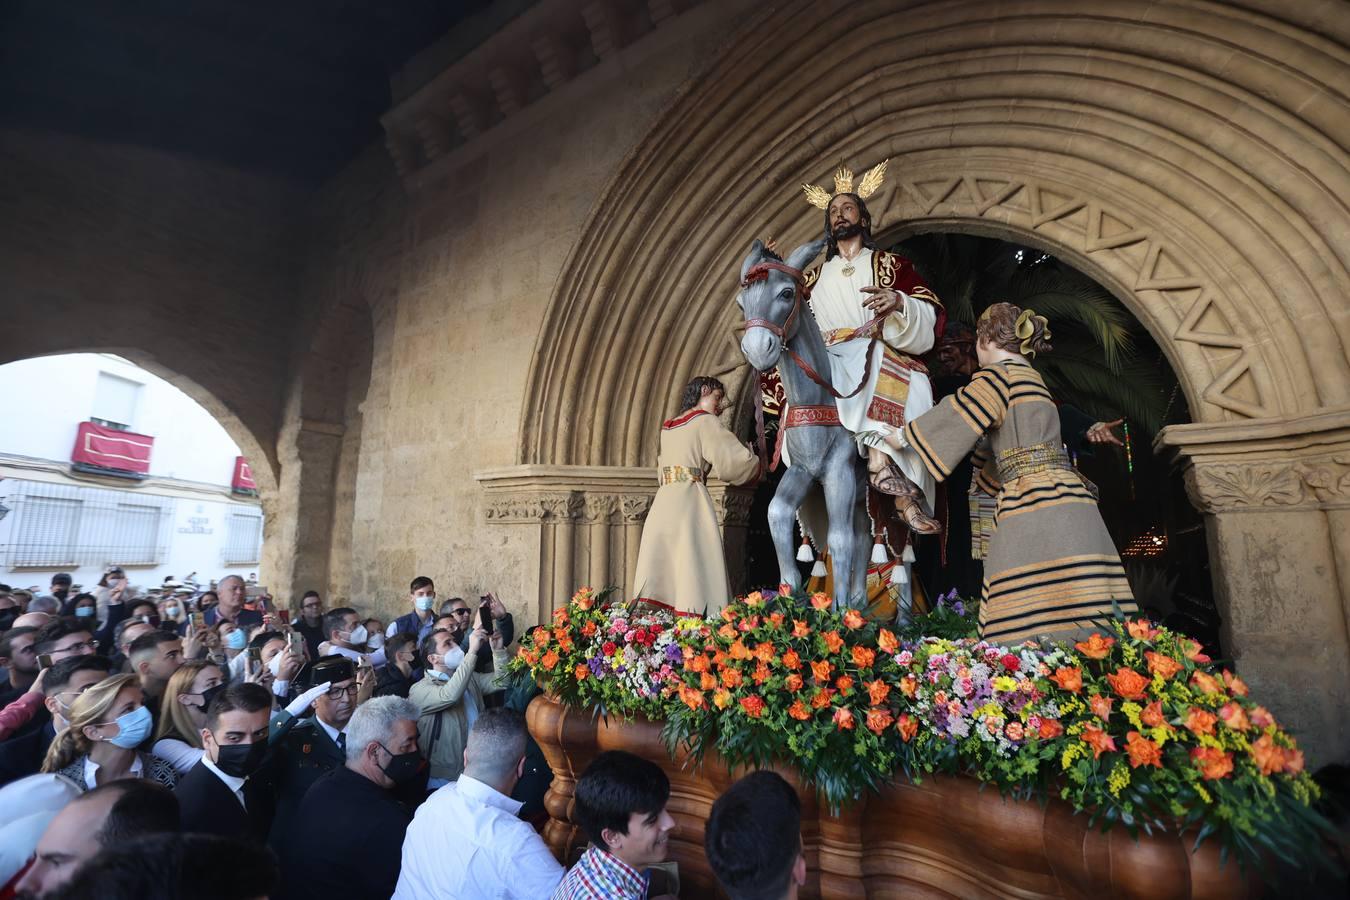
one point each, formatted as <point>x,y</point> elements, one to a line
<point>1172,151</point>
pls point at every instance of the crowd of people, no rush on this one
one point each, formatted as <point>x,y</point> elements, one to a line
<point>201,744</point>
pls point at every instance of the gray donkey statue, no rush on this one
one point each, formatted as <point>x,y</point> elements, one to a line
<point>821,456</point>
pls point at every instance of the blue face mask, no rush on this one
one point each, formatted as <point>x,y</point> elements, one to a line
<point>425,603</point>
<point>133,728</point>
<point>84,612</point>
<point>237,640</point>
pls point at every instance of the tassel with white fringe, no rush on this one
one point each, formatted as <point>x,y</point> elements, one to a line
<point>879,555</point>
<point>899,573</point>
<point>818,570</point>
<point>804,553</point>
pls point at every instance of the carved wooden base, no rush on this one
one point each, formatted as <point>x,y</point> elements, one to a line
<point>944,838</point>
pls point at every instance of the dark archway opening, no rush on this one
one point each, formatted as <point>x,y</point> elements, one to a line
<point>1105,366</point>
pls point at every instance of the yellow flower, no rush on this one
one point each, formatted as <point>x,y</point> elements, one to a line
<point>1005,684</point>
<point>1119,779</point>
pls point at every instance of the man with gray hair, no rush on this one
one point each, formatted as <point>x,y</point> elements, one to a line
<point>232,594</point>
<point>467,841</point>
<point>350,825</point>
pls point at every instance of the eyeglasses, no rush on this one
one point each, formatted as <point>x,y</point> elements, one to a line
<point>81,647</point>
<point>459,612</point>
<point>350,690</point>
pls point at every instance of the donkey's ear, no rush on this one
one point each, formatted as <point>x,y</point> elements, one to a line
<point>756,253</point>
<point>802,256</point>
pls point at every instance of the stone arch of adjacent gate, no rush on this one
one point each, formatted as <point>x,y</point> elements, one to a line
<point>1190,155</point>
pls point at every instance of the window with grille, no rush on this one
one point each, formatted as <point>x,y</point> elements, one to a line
<point>136,535</point>
<point>243,543</point>
<point>46,532</point>
<point>57,525</point>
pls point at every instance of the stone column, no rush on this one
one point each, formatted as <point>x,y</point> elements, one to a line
<point>299,516</point>
<point>1276,496</point>
<point>635,509</point>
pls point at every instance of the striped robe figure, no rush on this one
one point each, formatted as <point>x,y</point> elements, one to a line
<point>1052,570</point>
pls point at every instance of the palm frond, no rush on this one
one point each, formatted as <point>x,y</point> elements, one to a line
<point>1061,297</point>
<point>1137,391</point>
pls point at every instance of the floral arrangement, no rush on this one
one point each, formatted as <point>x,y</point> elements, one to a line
<point>1133,725</point>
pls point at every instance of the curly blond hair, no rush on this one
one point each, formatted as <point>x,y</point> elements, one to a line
<point>1013,329</point>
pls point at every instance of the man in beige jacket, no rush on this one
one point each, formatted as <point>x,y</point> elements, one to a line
<point>450,697</point>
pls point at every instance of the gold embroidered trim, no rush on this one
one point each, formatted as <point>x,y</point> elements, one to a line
<point>681,474</point>
<point>1020,461</point>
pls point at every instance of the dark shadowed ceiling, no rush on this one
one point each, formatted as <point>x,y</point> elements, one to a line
<point>287,87</point>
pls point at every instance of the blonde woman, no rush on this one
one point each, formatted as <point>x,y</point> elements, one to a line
<point>107,723</point>
<point>182,713</point>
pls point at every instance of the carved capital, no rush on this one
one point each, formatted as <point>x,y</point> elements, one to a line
<point>635,507</point>
<point>600,508</point>
<point>1328,479</point>
<point>516,509</point>
<point>1251,486</point>
<point>563,507</point>
<point>732,505</point>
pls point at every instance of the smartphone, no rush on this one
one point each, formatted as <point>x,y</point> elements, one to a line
<point>485,612</point>
<point>285,616</point>
<point>296,642</point>
<point>254,660</point>
<point>191,621</point>
<point>44,660</point>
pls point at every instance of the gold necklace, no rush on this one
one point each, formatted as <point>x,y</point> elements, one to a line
<point>848,269</point>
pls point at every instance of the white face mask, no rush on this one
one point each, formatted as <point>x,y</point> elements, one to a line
<point>375,641</point>
<point>452,659</point>
<point>358,635</point>
<point>171,611</point>
<point>275,665</point>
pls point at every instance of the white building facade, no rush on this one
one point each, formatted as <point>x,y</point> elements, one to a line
<point>103,463</point>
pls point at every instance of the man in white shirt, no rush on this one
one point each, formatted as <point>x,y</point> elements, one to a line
<point>466,842</point>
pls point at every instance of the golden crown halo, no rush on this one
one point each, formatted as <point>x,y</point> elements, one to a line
<point>843,184</point>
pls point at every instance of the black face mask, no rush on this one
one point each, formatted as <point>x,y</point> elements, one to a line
<point>403,767</point>
<point>7,618</point>
<point>241,760</point>
<point>210,694</point>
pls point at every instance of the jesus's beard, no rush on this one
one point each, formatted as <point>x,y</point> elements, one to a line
<point>846,230</point>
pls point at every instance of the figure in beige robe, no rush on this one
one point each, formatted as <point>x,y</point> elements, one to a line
<point>681,561</point>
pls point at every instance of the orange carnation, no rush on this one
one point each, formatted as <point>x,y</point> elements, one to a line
<point>888,642</point>
<point>776,619</point>
<point>550,660</point>
<point>1101,706</point>
<point>800,629</point>
<point>791,660</point>
<point>727,632</point>
<point>909,686</point>
<point>799,711</point>
<point>1098,740</point>
<point>877,691</point>
<point>754,598</point>
<point>765,651</point>
<point>844,683</point>
<point>1096,646</point>
<point>589,629</point>
<point>707,681</point>
<point>581,672</point>
<point>1051,728</point>
<point>697,663</point>
<point>1267,755</point>
<point>820,601</point>
<point>1152,716</point>
<point>761,673</point>
<point>1199,722</point>
<point>729,614</point>
<point>1213,762</point>
<point>853,619</point>
<point>821,670</point>
<point>732,678</point>
<point>833,641</point>
<point>691,698</point>
<point>1141,629</point>
<point>1068,679</point>
<point>1191,649</point>
<point>1207,684</point>
<point>1236,686</point>
<point>739,651</point>
<point>1261,717</point>
<point>1293,761</point>
<point>1162,664</point>
<point>1234,716</point>
<point>793,682</point>
<point>721,699</point>
<point>878,720</point>
<point>753,705</point>
<point>1143,752</point>
<point>908,726</point>
<point>540,636</point>
<point>1128,683</point>
<point>843,718</point>
<point>863,657</point>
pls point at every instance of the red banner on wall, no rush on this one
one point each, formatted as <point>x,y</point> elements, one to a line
<point>109,448</point>
<point>243,476</point>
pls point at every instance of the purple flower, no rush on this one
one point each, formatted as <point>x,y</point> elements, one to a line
<point>959,608</point>
<point>674,653</point>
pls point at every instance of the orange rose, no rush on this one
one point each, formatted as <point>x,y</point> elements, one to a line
<point>776,619</point>
<point>1051,728</point>
<point>822,698</point>
<point>853,619</point>
<point>1261,717</point>
<point>765,651</point>
<point>888,642</point>
<point>540,636</point>
<point>729,614</point>
<point>843,718</point>
<point>821,670</point>
<point>707,681</point>
<point>581,672</point>
<point>799,711</point>
<point>1293,761</point>
<point>1101,706</point>
<point>691,698</point>
<point>732,678</point>
<point>739,651</point>
<point>785,590</point>
<point>719,658</point>
<point>698,663</point>
<point>1213,762</point>
<point>1096,646</point>
<point>1199,722</point>
<point>589,629</point>
<point>878,720</point>
<point>1207,684</point>
<point>1068,679</point>
<point>1162,664</point>
<point>761,673</point>
<point>800,629</point>
<point>754,598</point>
<point>844,683</point>
<point>877,691</point>
<point>584,602</point>
<point>1268,756</point>
<point>565,642</point>
<point>753,706</point>
<point>863,657</point>
<point>1152,716</point>
<point>561,615</point>
<point>1098,740</point>
<point>721,699</point>
<point>908,726</point>
<point>833,641</point>
<point>820,601</point>
<point>727,632</point>
<point>791,660</point>
<point>550,660</point>
<point>793,682</point>
<point>909,686</point>
<point>749,623</point>
<point>1234,716</point>
<point>1128,683</point>
<point>1141,629</point>
<point>1236,686</point>
<point>1191,650</point>
<point>1143,752</point>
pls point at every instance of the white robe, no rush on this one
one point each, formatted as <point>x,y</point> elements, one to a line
<point>837,301</point>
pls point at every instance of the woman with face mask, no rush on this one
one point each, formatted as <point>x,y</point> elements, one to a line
<point>84,608</point>
<point>107,723</point>
<point>231,641</point>
<point>183,710</point>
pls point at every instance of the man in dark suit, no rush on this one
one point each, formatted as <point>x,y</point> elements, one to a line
<point>350,826</point>
<point>221,794</point>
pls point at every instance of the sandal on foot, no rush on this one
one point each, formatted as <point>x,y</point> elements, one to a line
<point>918,521</point>
<point>890,480</point>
